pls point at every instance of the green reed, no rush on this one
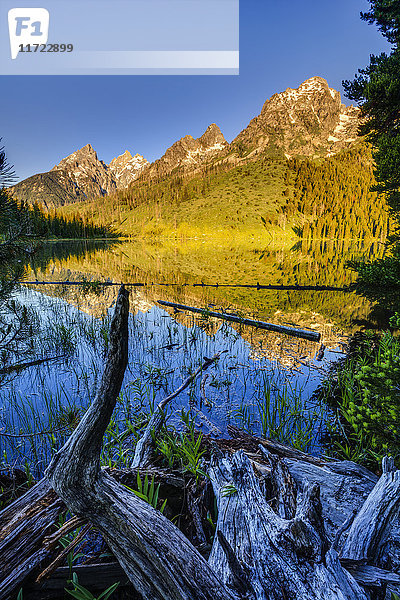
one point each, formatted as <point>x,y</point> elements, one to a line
<point>279,412</point>
<point>256,397</point>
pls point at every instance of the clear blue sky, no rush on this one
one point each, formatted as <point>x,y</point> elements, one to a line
<point>282,43</point>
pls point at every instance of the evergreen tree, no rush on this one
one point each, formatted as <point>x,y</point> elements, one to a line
<point>13,224</point>
<point>377,87</point>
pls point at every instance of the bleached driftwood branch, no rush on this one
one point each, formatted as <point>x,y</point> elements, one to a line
<point>142,456</point>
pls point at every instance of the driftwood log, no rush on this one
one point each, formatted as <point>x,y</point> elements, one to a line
<point>305,334</point>
<point>290,526</point>
<point>29,536</point>
<point>23,527</point>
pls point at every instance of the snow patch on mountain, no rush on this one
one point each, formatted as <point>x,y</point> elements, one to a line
<point>126,168</point>
<point>310,121</point>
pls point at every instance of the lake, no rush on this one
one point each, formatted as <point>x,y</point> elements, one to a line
<point>263,381</point>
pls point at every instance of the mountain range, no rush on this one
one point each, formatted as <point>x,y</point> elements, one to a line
<point>309,121</point>
<point>79,177</point>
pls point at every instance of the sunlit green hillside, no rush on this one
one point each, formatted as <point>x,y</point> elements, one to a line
<point>325,198</point>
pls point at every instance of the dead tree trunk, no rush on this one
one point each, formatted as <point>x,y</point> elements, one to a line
<point>258,553</point>
<point>23,526</point>
<point>156,556</point>
<point>266,556</point>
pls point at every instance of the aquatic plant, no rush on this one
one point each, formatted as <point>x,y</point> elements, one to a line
<point>148,492</point>
<point>279,412</point>
<point>364,388</point>
<point>39,409</point>
<point>183,448</point>
<point>82,593</point>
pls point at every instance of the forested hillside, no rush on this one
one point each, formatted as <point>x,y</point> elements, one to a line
<point>34,222</point>
<point>53,224</point>
<point>324,198</point>
<point>333,195</point>
<point>298,169</point>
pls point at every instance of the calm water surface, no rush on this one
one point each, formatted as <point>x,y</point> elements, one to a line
<point>256,367</point>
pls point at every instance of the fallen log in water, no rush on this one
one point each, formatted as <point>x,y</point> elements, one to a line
<point>314,336</point>
<point>289,526</point>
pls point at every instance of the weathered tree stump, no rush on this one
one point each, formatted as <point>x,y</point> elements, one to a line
<point>23,526</point>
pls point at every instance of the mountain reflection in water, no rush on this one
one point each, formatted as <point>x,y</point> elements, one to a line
<point>165,346</point>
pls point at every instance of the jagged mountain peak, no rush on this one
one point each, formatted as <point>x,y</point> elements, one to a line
<point>86,153</point>
<point>88,148</point>
<point>122,158</point>
<point>315,82</point>
<point>212,136</point>
<point>81,176</point>
<point>88,176</point>
<point>190,153</point>
<point>186,139</point>
<point>310,88</point>
<point>126,155</point>
<point>309,120</point>
<point>126,168</point>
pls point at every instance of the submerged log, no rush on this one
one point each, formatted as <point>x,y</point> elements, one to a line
<point>32,363</point>
<point>314,336</point>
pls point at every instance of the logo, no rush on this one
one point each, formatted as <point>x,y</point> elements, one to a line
<point>27,26</point>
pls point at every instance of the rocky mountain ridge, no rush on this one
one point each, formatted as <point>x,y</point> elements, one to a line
<point>189,153</point>
<point>90,174</point>
<point>126,168</point>
<point>308,121</point>
<point>79,177</point>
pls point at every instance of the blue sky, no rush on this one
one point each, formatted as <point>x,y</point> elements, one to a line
<point>282,43</point>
